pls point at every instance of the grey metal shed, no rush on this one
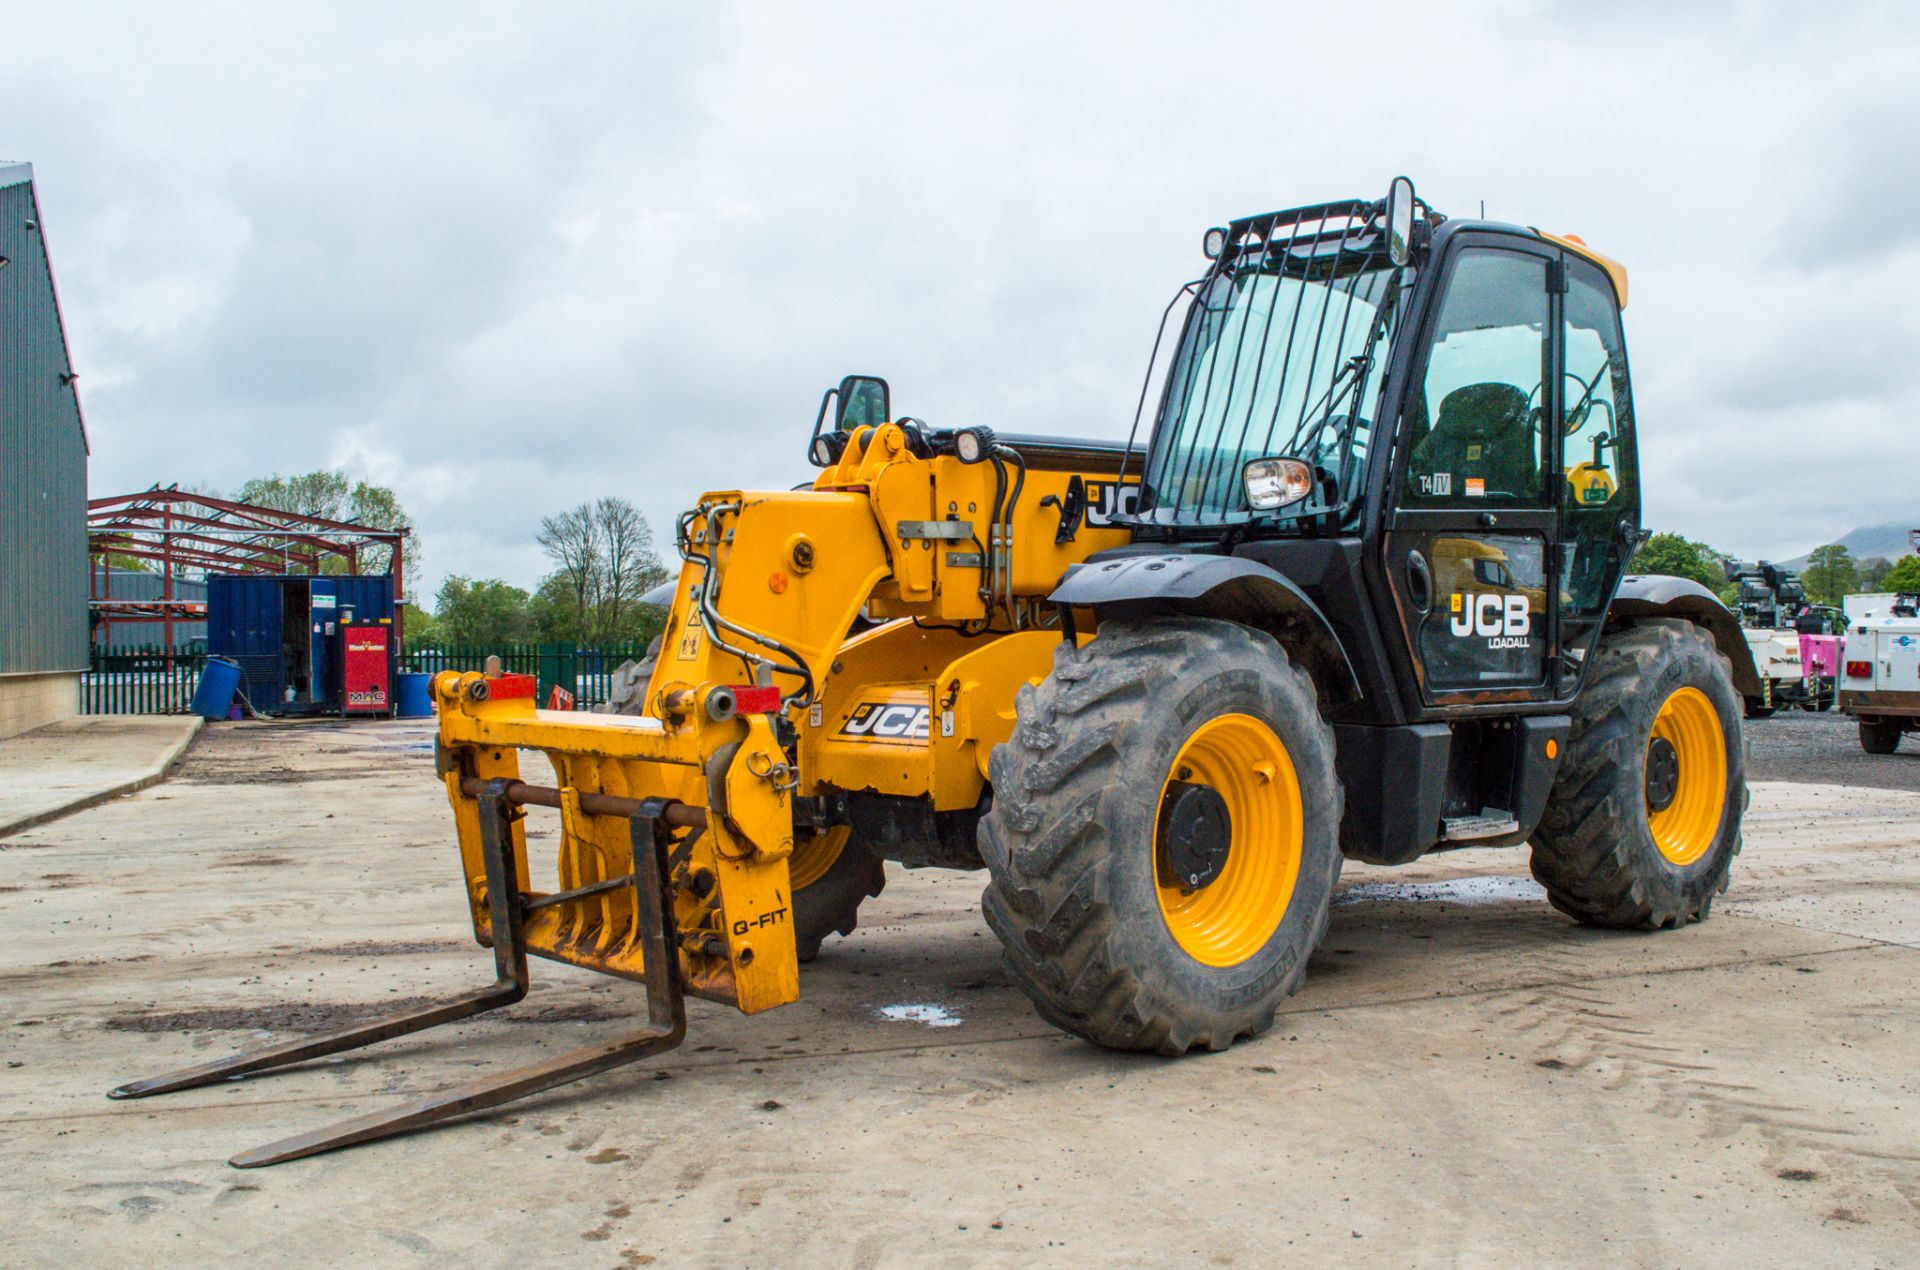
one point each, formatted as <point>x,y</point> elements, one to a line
<point>43,475</point>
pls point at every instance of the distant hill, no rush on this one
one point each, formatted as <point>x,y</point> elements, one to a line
<point>1888,540</point>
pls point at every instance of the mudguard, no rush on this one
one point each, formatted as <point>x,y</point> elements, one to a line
<point>1228,587</point>
<point>1658,595</point>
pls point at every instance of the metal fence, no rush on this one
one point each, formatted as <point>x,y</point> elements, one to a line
<point>139,680</point>
<point>583,670</point>
<point>149,680</point>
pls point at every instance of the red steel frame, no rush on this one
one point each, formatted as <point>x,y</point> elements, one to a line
<point>179,529</point>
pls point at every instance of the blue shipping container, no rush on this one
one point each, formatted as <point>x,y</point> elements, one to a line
<point>282,633</point>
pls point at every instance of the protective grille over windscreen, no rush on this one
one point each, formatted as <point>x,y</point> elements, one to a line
<point>1276,359</point>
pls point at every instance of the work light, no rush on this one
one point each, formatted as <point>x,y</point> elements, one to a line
<point>1273,483</point>
<point>972,444</point>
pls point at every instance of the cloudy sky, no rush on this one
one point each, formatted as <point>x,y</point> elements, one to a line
<point>505,261</point>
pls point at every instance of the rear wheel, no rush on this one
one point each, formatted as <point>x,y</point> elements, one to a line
<point>1163,840</point>
<point>831,877</point>
<point>1643,821</point>
<point>1878,736</point>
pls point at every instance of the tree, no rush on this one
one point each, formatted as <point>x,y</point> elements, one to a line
<point>1871,571</point>
<point>555,611</point>
<point>329,494</point>
<point>1829,575</point>
<point>322,493</point>
<point>1904,577</point>
<point>604,558</point>
<point>487,611</point>
<point>421,626</point>
<point>1681,557</point>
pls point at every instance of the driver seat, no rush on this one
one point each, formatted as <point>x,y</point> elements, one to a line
<point>1482,432</point>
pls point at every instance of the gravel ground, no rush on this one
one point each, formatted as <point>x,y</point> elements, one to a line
<point>1468,1077</point>
<point>1824,749</point>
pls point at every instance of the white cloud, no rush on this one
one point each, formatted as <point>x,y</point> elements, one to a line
<point>505,261</point>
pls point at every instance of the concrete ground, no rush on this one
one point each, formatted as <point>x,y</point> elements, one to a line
<point>78,762</point>
<point>1466,1078</point>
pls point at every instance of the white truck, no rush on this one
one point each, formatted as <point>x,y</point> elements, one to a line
<point>1880,679</point>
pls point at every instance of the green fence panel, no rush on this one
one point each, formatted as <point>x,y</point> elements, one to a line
<point>139,680</point>
<point>585,670</point>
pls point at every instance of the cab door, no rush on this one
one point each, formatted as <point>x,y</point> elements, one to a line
<point>1472,525</point>
<point>1600,492</point>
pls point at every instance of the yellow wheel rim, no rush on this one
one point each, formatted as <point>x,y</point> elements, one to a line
<point>1232,917</point>
<point>812,857</point>
<point>1686,827</point>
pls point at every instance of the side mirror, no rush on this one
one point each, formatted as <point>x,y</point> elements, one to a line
<point>859,401</point>
<point>1400,220</point>
<point>864,402</point>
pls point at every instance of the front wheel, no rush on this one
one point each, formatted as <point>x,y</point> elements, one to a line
<point>1643,820</point>
<point>1163,841</point>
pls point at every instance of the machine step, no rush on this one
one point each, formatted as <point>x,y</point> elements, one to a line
<point>1490,823</point>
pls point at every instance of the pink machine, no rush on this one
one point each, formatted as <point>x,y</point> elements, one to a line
<point>1820,655</point>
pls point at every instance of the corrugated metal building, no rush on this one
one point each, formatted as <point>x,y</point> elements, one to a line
<point>43,479</point>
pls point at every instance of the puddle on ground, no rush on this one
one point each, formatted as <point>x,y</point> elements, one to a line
<point>1489,890</point>
<point>931,1015</point>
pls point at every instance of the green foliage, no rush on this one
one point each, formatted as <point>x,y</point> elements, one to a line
<point>556,618</point>
<point>421,626</point>
<point>329,494</point>
<point>124,564</point>
<point>321,493</point>
<point>1904,576</point>
<point>486,611</point>
<point>1681,557</point>
<point>1830,574</point>
<point>1871,571</point>
<point>554,611</point>
<point>605,562</point>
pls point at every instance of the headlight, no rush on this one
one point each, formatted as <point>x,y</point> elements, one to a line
<point>824,451</point>
<point>1214,243</point>
<point>972,444</point>
<point>1273,483</point>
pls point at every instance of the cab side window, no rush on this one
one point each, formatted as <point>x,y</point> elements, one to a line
<point>1478,437</point>
<point>1598,411</point>
<point>1598,496</point>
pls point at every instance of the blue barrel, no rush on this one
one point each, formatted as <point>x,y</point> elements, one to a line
<point>214,693</point>
<point>414,695</point>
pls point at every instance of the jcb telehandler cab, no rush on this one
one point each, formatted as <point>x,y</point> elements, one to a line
<point>1359,594</point>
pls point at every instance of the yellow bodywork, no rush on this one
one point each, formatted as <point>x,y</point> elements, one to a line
<point>911,707</point>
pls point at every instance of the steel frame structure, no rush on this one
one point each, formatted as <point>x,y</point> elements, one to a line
<point>183,530</point>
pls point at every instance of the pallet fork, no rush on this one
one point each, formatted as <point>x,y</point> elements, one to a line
<point>651,822</point>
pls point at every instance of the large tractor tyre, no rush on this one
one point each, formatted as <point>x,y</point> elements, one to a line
<point>1164,836</point>
<point>1879,736</point>
<point>1643,820</point>
<point>627,685</point>
<point>831,876</point>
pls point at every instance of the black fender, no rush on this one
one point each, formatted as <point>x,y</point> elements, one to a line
<point>1658,595</point>
<point>1231,588</point>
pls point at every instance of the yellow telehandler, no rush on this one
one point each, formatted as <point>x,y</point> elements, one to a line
<point>1359,594</point>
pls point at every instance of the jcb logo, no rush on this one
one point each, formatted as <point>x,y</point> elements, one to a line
<point>1107,499</point>
<point>887,721</point>
<point>1503,617</point>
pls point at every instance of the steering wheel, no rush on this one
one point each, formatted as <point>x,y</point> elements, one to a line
<point>1576,415</point>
